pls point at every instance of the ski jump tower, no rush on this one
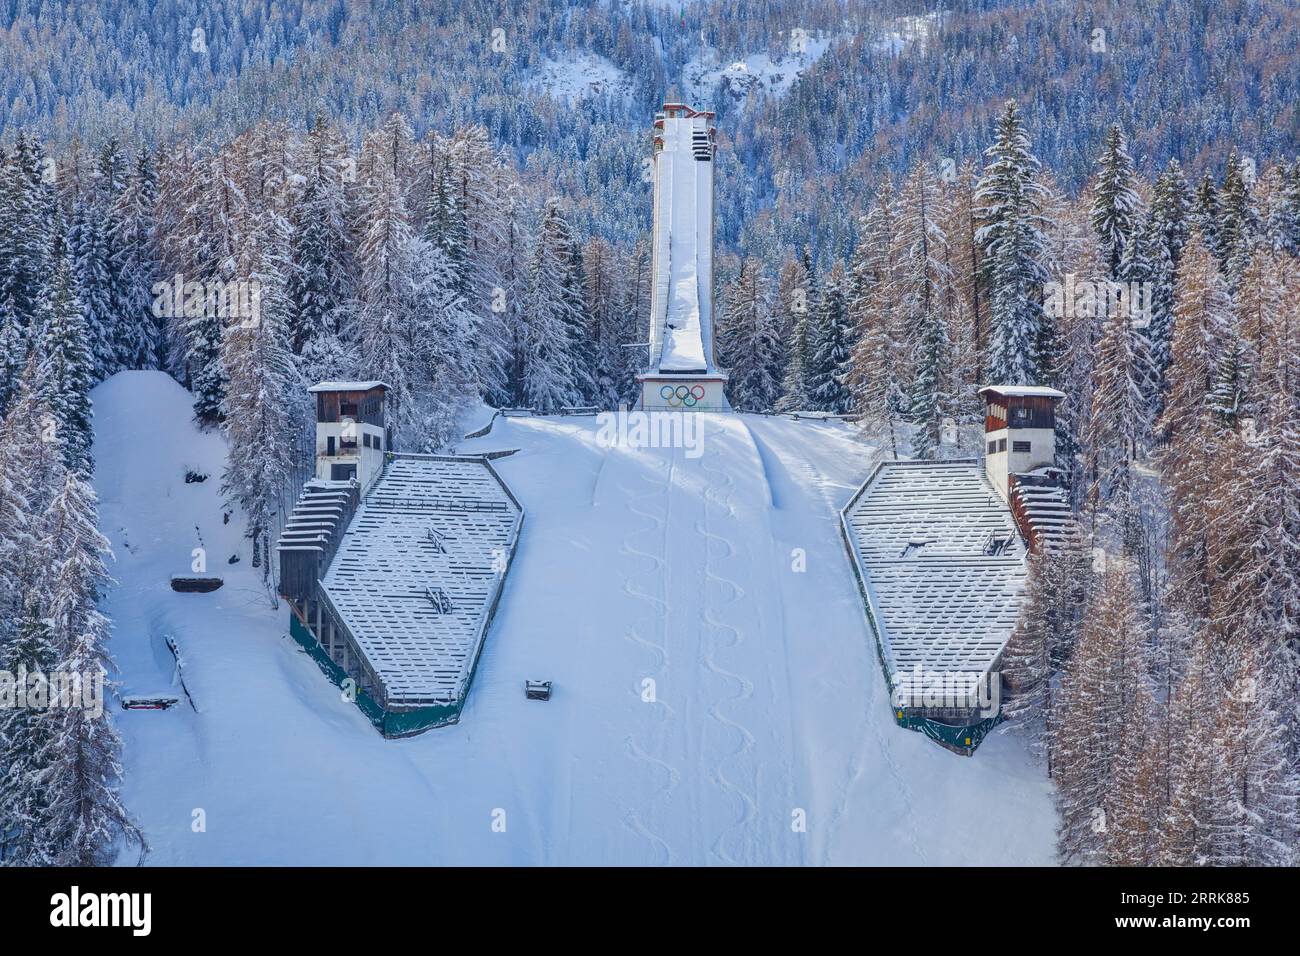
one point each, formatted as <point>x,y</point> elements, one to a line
<point>682,374</point>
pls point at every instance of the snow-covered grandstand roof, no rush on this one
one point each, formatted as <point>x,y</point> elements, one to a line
<point>346,386</point>
<point>419,570</point>
<point>940,563</point>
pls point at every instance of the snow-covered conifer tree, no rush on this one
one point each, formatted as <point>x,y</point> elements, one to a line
<point>750,341</point>
<point>795,392</point>
<point>67,369</point>
<point>550,377</point>
<point>139,334</point>
<point>84,820</point>
<point>321,284</point>
<point>1094,717</point>
<point>1009,199</point>
<point>830,346</point>
<point>1116,207</point>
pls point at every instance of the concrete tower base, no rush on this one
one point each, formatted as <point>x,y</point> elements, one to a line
<point>668,392</point>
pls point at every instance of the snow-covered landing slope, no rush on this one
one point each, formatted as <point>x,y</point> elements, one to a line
<point>636,564</point>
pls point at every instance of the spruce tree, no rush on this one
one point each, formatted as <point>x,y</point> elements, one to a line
<point>1009,199</point>
<point>830,347</point>
<point>1116,207</point>
<point>84,820</point>
<point>24,740</point>
<point>750,341</point>
<point>1238,227</point>
<point>140,336</point>
<point>550,374</point>
<point>67,369</point>
<point>13,353</point>
<point>795,390</point>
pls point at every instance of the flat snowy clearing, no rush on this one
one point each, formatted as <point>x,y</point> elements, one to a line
<point>633,565</point>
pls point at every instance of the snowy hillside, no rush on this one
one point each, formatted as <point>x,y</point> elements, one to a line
<point>579,75</point>
<point>634,565</point>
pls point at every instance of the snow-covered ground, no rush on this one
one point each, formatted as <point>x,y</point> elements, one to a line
<point>708,71</point>
<point>633,565</point>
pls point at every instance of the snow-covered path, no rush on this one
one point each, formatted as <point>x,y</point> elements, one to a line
<point>767,702</point>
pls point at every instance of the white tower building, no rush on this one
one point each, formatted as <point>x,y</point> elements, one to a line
<point>682,374</point>
<point>1020,431</point>
<point>351,436</point>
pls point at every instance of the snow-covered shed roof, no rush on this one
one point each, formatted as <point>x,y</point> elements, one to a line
<point>1023,391</point>
<point>347,386</point>
<point>419,570</point>
<point>940,563</point>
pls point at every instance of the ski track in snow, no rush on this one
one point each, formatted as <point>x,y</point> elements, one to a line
<point>664,712</point>
<point>632,564</point>
<point>712,614</point>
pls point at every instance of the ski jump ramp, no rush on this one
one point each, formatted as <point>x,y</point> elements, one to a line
<point>682,374</point>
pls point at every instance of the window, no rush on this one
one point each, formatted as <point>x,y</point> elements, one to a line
<point>993,448</point>
<point>1002,444</point>
<point>1020,416</point>
<point>1020,447</point>
<point>329,447</point>
<point>379,443</point>
<point>347,409</point>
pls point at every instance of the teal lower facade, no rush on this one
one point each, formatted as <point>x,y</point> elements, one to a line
<point>960,739</point>
<point>390,723</point>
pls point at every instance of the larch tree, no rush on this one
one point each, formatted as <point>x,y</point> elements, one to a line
<point>1106,673</point>
<point>924,286</point>
<point>1050,613</point>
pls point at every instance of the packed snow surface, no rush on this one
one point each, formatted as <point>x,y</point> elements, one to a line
<point>634,566</point>
<point>687,229</point>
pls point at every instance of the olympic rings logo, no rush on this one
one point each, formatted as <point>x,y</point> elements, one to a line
<point>682,395</point>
